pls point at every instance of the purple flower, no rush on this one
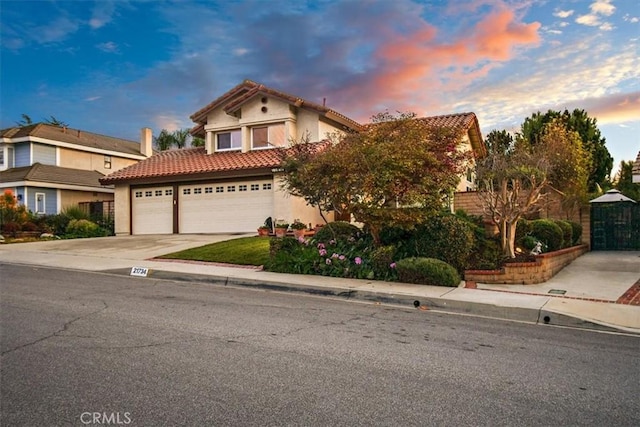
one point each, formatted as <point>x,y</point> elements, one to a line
<point>320,245</point>
<point>328,261</point>
<point>392,265</point>
<point>358,260</point>
<point>341,257</point>
<point>322,252</point>
<point>302,240</point>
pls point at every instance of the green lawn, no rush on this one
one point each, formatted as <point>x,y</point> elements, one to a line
<point>243,251</point>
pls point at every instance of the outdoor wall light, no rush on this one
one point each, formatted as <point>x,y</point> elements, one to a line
<point>19,197</point>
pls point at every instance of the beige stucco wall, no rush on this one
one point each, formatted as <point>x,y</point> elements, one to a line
<point>122,210</point>
<point>307,121</point>
<point>91,161</point>
<point>276,111</point>
<point>289,208</point>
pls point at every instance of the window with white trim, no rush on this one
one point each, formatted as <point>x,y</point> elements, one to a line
<point>148,194</point>
<point>208,190</point>
<point>231,188</point>
<point>220,189</point>
<point>266,186</point>
<point>186,191</point>
<point>197,190</point>
<point>268,136</point>
<point>242,187</point>
<point>138,193</point>
<point>107,162</point>
<point>40,203</point>
<point>255,187</point>
<point>158,193</point>
<point>231,140</point>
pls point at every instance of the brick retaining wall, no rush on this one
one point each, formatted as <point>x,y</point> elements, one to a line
<point>544,268</point>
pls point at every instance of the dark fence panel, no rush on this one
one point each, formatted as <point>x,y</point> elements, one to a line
<point>615,226</point>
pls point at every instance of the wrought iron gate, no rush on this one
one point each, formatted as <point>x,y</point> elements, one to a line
<point>615,226</point>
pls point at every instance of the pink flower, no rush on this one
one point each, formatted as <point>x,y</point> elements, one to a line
<point>335,255</point>
<point>332,242</point>
<point>328,261</point>
<point>358,260</point>
<point>320,245</point>
<point>322,252</point>
<point>392,265</point>
<point>341,257</point>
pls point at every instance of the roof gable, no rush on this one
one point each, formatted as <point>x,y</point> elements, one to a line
<point>76,137</point>
<point>234,99</point>
<point>52,174</point>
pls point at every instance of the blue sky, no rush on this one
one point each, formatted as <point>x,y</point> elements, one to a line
<point>115,67</point>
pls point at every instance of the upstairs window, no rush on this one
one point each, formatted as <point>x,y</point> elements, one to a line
<point>107,162</point>
<point>231,140</point>
<point>268,136</point>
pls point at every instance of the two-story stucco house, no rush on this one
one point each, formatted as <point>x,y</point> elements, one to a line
<point>50,168</point>
<point>233,183</point>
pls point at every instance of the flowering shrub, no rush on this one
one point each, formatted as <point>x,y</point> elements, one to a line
<point>342,257</point>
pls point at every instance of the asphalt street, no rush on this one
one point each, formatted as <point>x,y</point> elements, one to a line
<point>145,351</point>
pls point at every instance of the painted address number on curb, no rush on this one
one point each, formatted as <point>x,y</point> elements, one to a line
<point>139,271</point>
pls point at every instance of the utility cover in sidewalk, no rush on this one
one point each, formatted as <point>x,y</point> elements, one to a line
<point>557,292</point>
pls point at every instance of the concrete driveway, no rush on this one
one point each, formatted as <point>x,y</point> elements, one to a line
<point>106,248</point>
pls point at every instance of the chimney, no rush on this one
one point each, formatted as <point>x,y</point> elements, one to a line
<point>146,139</point>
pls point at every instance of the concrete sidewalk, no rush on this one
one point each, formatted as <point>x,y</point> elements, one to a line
<point>593,284</point>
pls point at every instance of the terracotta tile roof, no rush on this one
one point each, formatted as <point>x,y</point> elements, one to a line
<point>236,97</point>
<point>466,123</point>
<point>52,174</point>
<point>72,136</point>
<point>636,165</point>
<point>192,161</point>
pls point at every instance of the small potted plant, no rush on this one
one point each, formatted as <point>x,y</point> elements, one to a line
<point>298,228</point>
<point>281,229</point>
<point>266,228</point>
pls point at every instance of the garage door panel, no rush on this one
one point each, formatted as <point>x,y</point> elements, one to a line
<point>224,208</point>
<point>152,210</point>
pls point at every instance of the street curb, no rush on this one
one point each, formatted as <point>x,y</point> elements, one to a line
<point>520,314</point>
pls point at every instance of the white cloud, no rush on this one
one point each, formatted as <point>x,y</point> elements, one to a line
<point>602,7</point>
<point>607,26</point>
<point>240,51</point>
<point>101,15</point>
<point>92,98</point>
<point>590,20</point>
<point>563,13</point>
<point>110,47</point>
<point>632,19</point>
<point>554,31</point>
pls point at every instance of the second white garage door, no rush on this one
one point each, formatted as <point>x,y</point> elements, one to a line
<point>224,207</point>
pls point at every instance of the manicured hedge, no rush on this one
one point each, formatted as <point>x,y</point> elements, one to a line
<point>567,232</point>
<point>548,232</point>
<point>427,271</point>
<point>576,232</point>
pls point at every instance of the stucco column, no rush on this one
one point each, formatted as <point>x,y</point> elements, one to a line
<point>208,142</point>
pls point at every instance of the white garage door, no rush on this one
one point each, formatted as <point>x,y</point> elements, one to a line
<point>225,207</point>
<point>152,210</point>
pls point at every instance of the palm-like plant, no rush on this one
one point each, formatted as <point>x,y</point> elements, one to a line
<point>164,140</point>
<point>180,137</point>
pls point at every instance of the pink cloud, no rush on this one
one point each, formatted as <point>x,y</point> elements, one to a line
<point>412,69</point>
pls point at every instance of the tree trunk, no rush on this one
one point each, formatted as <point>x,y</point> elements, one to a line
<point>511,239</point>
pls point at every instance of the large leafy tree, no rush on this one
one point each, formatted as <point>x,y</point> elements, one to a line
<point>511,179</point>
<point>624,181</point>
<point>394,172</point>
<point>593,142</point>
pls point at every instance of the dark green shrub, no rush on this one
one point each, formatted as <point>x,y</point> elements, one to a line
<point>445,237</point>
<point>382,258</point>
<point>576,232</point>
<point>337,230</point>
<point>547,232</point>
<point>486,254</point>
<point>567,232</point>
<point>529,242</point>
<point>79,228</point>
<point>427,271</point>
<point>523,229</point>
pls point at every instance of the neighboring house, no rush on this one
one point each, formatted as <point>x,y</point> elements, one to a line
<point>50,168</point>
<point>234,183</point>
<point>635,173</point>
